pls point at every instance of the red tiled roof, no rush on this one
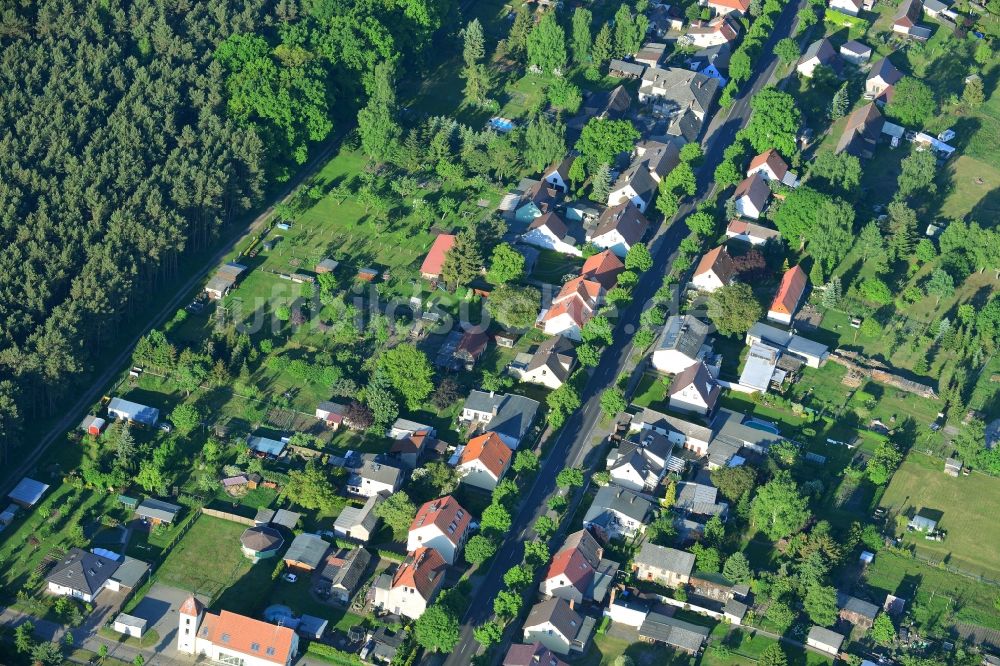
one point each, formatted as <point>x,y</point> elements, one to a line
<point>490,450</point>
<point>436,255</point>
<point>773,160</point>
<point>719,262</point>
<point>571,564</point>
<point>410,444</point>
<point>739,5</point>
<point>793,283</point>
<point>242,634</point>
<point>603,267</point>
<point>447,515</point>
<point>191,606</point>
<point>423,571</point>
<point>473,343</point>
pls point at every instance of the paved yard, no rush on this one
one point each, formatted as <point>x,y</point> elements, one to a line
<point>159,608</point>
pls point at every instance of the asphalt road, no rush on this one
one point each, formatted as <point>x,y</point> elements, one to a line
<point>72,414</point>
<point>576,440</point>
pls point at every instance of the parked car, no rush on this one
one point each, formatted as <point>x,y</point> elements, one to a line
<point>167,427</point>
<point>290,577</point>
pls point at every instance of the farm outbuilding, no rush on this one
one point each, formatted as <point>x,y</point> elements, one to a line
<point>133,412</point>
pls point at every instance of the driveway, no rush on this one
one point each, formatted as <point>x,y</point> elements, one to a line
<point>159,609</point>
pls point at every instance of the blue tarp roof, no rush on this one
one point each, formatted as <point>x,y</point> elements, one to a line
<point>271,447</point>
<point>28,492</point>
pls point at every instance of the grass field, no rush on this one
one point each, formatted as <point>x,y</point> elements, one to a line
<point>938,598</point>
<point>208,560</point>
<point>605,648</point>
<point>972,535</point>
<point>732,646</point>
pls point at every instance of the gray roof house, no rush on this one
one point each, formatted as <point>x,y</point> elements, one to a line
<point>819,53</point>
<point>556,625</point>
<point>668,566</point>
<point>376,475</point>
<point>157,511</point>
<point>730,428</point>
<point>681,344</point>
<point>625,70</point>
<point>659,628</point>
<point>925,520</point>
<point>306,552</point>
<point>346,573</point>
<point>358,523</point>
<point>699,499</point>
<point>618,511</point>
<point>690,435</point>
<point>508,415</point>
<point>856,611</point>
<point>812,353</point>
<point>682,95</point>
<point>80,574</point>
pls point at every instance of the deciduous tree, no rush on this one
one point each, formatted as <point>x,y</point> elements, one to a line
<point>734,309</point>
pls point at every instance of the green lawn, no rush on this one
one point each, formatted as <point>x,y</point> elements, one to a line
<point>208,560</point>
<point>604,648</point>
<point>973,536</point>
<point>652,392</point>
<point>938,597</point>
<point>553,266</point>
<point>731,646</point>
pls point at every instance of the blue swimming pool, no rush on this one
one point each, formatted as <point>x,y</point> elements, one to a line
<point>762,425</point>
<point>502,124</point>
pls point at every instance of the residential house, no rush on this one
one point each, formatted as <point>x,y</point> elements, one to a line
<point>557,175</point>
<point>664,19</point>
<point>861,132</point>
<point>694,390</point>
<point>881,81</point>
<point>579,298</point>
<point>409,449</point>
<point>619,228</point>
<point>666,566</point>
<point>80,574</point>
<point>533,654</point>
<point>634,186</point>
<point>345,573</point>
<point>751,196</point>
<point>681,344</point>
<point>229,638</point>
<point>858,612</point>
<point>612,105</point>
<point>508,415</point>
<point>376,475</point>
<point>484,461</point>
<point>556,625</point>
<point>412,588</point>
<point>623,69</point>
<point>306,552</point>
<point>760,369</point>
<point>849,7</point>
<point>578,571</point>
<point>729,6</point>
<point>405,427</point>
<point>660,157</point>
<point>358,523</point>
<point>809,352</point>
<point>688,435</point>
<point>824,640</point>
<point>261,542</point>
<point>790,292</point>
<point>640,466</point>
<point>442,524</point>
<point>133,413</point>
<point>723,29</point>
<point>154,511</point>
<point>681,95</point>
<point>618,512</point>
<point>907,20</point>
<point>382,645</point>
<point>548,231</point>
<point>751,232</point>
<point>331,413</point>
<point>651,54</point>
<point>431,267</point>
<point>712,61</point>
<point>732,432</point>
<point>470,348</point>
<point>772,167</point>
<point>678,634</point>
<point>818,54</point>
<point>550,365</point>
<point>583,211</point>
<point>224,280</point>
<point>855,52</point>
<point>537,200</point>
<point>714,271</point>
